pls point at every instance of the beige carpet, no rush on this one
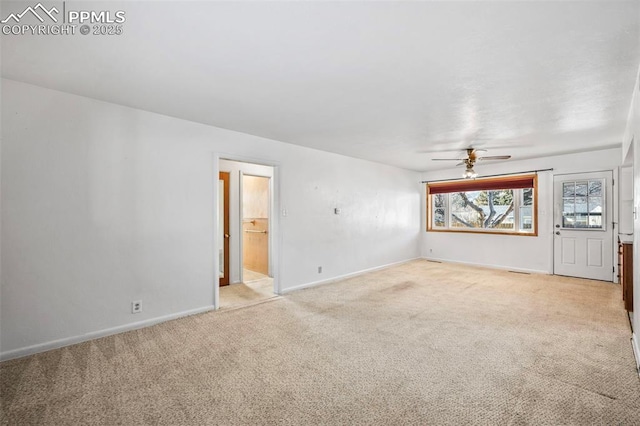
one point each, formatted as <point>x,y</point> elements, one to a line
<point>245,294</point>
<point>421,343</point>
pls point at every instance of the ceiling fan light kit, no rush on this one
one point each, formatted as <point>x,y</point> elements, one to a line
<point>469,173</point>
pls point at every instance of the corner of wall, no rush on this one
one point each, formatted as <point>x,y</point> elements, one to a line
<point>636,350</point>
<point>632,119</point>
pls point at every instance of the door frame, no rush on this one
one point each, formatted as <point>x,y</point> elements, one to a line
<point>241,218</point>
<point>613,222</point>
<point>276,235</point>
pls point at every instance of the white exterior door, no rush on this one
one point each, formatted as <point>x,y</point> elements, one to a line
<point>583,225</point>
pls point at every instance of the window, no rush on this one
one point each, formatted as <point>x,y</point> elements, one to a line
<point>505,205</point>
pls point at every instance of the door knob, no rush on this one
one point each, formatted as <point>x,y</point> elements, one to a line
<point>557,232</point>
<point>227,235</point>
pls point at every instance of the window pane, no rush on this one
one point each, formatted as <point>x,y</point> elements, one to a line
<point>508,222</point>
<point>463,215</point>
<point>595,188</point>
<point>575,211</point>
<point>581,221</point>
<point>502,198</point>
<point>568,189</point>
<point>438,200</point>
<point>568,212</point>
<point>504,217</point>
<point>483,209</point>
<point>581,204</point>
<point>438,218</point>
<point>595,212</point>
<point>595,205</point>
<point>526,218</point>
<point>581,189</point>
<point>527,197</point>
<point>595,220</point>
<point>568,205</point>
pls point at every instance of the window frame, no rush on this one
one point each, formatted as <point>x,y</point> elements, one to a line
<point>492,183</point>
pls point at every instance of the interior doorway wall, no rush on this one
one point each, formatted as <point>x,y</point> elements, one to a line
<point>256,234</point>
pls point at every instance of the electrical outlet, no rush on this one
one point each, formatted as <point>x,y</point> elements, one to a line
<point>136,306</point>
<point>319,269</point>
<point>337,211</point>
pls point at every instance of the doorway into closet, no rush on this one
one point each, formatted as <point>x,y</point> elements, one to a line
<point>249,253</point>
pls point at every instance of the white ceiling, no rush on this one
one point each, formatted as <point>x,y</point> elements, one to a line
<point>383,81</point>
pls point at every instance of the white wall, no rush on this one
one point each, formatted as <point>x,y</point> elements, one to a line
<point>636,240</point>
<point>521,253</point>
<point>235,225</point>
<point>632,120</point>
<point>625,196</point>
<point>104,204</point>
<point>632,139</point>
<point>631,150</point>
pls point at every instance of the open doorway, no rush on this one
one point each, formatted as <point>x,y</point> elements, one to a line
<point>249,254</point>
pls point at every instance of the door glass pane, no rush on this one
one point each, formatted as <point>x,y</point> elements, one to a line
<point>581,220</point>
<point>595,188</point>
<point>568,205</point>
<point>581,204</point>
<point>595,205</point>
<point>221,226</point>
<point>581,189</point>
<point>595,212</point>
<point>595,221</point>
<point>568,212</point>
<point>568,189</point>
<point>581,217</point>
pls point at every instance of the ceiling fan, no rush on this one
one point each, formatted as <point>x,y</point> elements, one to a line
<point>472,157</point>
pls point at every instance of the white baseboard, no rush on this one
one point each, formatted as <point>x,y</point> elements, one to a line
<point>345,276</point>
<point>484,265</point>
<point>636,350</point>
<point>55,344</point>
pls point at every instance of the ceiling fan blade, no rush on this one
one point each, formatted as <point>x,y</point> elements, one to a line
<point>460,164</point>
<point>515,145</point>
<point>495,157</point>
<point>447,159</point>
